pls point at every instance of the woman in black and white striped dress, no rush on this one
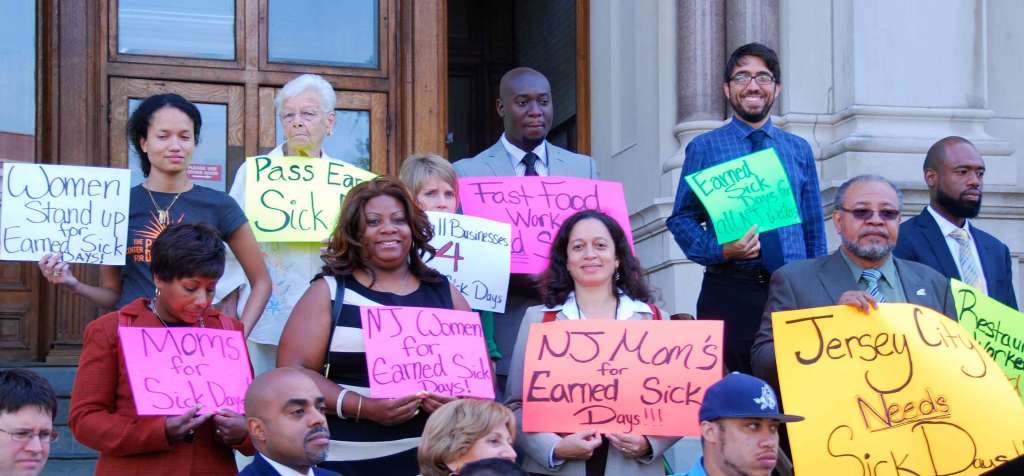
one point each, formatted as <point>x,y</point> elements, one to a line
<point>374,254</point>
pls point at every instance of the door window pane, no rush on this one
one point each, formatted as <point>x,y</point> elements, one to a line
<point>185,28</point>
<point>210,158</point>
<point>324,32</point>
<point>350,140</point>
<point>17,80</point>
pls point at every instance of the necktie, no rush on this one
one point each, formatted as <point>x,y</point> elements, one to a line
<point>771,245</point>
<point>530,160</point>
<point>870,277</point>
<point>968,268</point>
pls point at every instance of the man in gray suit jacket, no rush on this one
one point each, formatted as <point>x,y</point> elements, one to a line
<point>527,109</point>
<point>862,273</point>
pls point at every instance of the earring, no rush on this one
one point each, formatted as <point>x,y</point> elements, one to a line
<point>617,276</point>
<point>156,293</point>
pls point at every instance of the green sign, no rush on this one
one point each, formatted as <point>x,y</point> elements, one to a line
<point>740,193</point>
<point>998,328</point>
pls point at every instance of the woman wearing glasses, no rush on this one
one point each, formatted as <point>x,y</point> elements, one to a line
<point>28,407</point>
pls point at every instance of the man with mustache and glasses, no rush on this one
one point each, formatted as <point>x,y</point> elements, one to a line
<point>735,285</point>
<point>861,273</point>
<point>943,238</point>
<point>285,413</point>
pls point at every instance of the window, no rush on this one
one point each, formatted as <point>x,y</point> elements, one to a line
<point>18,80</point>
<point>202,29</point>
<point>313,32</point>
<point>210,157</point>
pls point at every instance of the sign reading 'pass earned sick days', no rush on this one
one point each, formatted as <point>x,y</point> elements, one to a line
<point>473,253</point>
<point>536,208</point>
<point>415,349</point>
<point>173,370</point>
<point>740,193</point>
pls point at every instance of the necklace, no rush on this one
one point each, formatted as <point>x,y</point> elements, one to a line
<point>152,307</point>
<point>399,291</point>
<point>163,214</point>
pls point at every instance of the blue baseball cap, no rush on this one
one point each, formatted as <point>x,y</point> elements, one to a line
<point>740,395</point>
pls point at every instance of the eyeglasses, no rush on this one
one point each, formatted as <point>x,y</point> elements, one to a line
<point>763,79</point>
<point>27,435</point>
<point>867,213</point>
<point>306,116</point>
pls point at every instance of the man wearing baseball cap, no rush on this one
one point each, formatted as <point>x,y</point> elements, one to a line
<point>739,424</point>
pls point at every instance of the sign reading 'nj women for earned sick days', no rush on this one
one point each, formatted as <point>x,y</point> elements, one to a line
<point>415,349</point>
<point>172,370</point>
<point>297,198</point>
<point>536,207</point>
<point>996,327</point>
<point>740,193</point>
<point>80,213</point>
<point>474,253</point>
<point>901,391</point>
<point>639,377</point>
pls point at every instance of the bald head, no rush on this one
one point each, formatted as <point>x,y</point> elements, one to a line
<point>526,107</point>
<point>272,388</point>
<point>516,77</point>
<point>285,414</point>
<point>940,151</point>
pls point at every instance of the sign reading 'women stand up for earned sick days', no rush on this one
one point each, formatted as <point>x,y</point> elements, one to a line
<point>740,193</point>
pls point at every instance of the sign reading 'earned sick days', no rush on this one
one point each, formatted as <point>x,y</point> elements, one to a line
<point>536,207</point>
<point>173,370</point>
<point>639,377</point>
<point>474,253</point>
<point>415,349</point>
<point>297,198</point>
<point>996,327</point>
<point>78,212</point>
<point>903,390</point>
<point>740,193</point>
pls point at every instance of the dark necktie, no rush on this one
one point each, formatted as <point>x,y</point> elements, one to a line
<point>530,161</point>
<point>771,245</point>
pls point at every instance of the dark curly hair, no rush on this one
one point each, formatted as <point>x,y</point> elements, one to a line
<point>138,123</point>
<point>345,253</point>
<point>557,283</point>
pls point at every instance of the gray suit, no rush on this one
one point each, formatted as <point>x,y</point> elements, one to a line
<point>820,281</point>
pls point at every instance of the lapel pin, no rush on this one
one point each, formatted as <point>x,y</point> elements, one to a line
<point>921,292</point>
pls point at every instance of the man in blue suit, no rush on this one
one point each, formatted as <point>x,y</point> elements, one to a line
<point>943,237</point>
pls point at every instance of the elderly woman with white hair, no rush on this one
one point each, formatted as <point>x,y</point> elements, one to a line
<point>305,106</point>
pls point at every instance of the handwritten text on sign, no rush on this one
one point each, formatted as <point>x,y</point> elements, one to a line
<point>297,198</point>
<point>79,212</point>
<point>536,207</point>
<point>996,327</point>
<point>641,377</point>
<point>172,370</point>
<point>904,390</point>
<point>474,254</point>
<point>740,193</point>
<point>412,349</point>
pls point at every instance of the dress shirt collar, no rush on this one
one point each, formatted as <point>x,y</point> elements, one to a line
<point>888,269</point>
<point>946,226</point>
<point>285,470</point>
<point>742,129</point>
<point>517,154</point>
<point>627,307</point>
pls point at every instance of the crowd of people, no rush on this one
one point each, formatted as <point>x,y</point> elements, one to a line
<point>309,410</point>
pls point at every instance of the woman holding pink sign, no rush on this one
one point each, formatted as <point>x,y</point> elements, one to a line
<point>592,274</point>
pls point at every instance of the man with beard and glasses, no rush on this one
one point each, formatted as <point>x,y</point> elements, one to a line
<point>285,413</point>
<point>861,273</point>
<point>942,236</point>
<point>735,285</point>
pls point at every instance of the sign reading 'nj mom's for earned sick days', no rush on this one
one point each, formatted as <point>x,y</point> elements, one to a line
<point>80,213</point>
<point>297,198</point>
<point>172,370</point>
<point>996,327</point>
<point>740,193</point>
<point>536,207</point>
<point>474,253</point>
<point>416,349</point>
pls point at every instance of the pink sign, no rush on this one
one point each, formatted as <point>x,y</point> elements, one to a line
<point>536,207</point>
<point>172,370</point>
<point>412,349</point>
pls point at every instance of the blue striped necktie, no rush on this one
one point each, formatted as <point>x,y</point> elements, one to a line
<point>871,277</point>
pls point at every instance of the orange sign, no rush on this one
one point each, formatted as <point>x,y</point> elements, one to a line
<point>642,377</point>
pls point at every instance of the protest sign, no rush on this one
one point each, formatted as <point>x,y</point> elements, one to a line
<point>173,369</point>
<point>740,193</point>
<point>297,198</point>
<point>996,327</point>
<point>641,377</point>
<point>536,207</point>
<point>415,349</point>
<point>902,390</point>
<point>78,212</point>
<point>474,253</point>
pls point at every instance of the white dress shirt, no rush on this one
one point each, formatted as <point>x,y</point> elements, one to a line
<point>285,470</point>
<point>517,155</point>
<point>946,227</point>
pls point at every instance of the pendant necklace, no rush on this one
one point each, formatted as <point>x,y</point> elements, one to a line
<point>163,214</point>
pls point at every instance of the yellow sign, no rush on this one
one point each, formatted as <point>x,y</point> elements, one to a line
<point>297,198</point>
<point>901,391</point>
<point>996,327</point>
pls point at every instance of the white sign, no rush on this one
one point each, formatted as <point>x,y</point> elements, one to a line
<point>474,253</point>
<point>79,212</point>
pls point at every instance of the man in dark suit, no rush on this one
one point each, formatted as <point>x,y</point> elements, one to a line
<point>285,414</point>
<point>943,237</point>
<point>862,273</point>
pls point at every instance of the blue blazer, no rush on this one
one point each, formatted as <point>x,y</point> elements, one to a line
<point>921,240</point>
<point>260,467</point>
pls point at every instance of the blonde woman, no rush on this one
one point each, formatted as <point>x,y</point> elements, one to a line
<point>464,431</point>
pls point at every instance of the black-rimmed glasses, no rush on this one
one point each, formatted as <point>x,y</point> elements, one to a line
<point>763,79</point>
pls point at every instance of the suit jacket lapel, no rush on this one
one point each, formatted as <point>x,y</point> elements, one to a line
<point>937,242</point>
<point>835,276</point>
<point>557,165</point>
<point>498,160</point>
<point>911,285</point>
<point>989,254</point>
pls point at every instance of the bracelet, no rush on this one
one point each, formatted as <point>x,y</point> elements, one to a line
<point>338,404</point>
<point>359,408</point>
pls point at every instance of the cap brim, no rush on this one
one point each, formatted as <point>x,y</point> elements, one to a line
<point>779,417</point>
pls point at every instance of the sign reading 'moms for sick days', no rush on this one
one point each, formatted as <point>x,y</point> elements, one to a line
<point>80,213</point>
<point>297,198</point>
<point>740,193</point>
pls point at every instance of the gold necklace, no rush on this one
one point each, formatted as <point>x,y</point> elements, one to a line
<point>405,280</point>
<point>163,214</point>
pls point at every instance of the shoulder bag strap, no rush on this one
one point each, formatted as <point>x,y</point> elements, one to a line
<point>339,301</point>
<point>550,316</point>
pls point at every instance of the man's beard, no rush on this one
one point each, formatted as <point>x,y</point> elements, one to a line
<point>868,252</point>
<point>958,207</point>
<point>751,117</point>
